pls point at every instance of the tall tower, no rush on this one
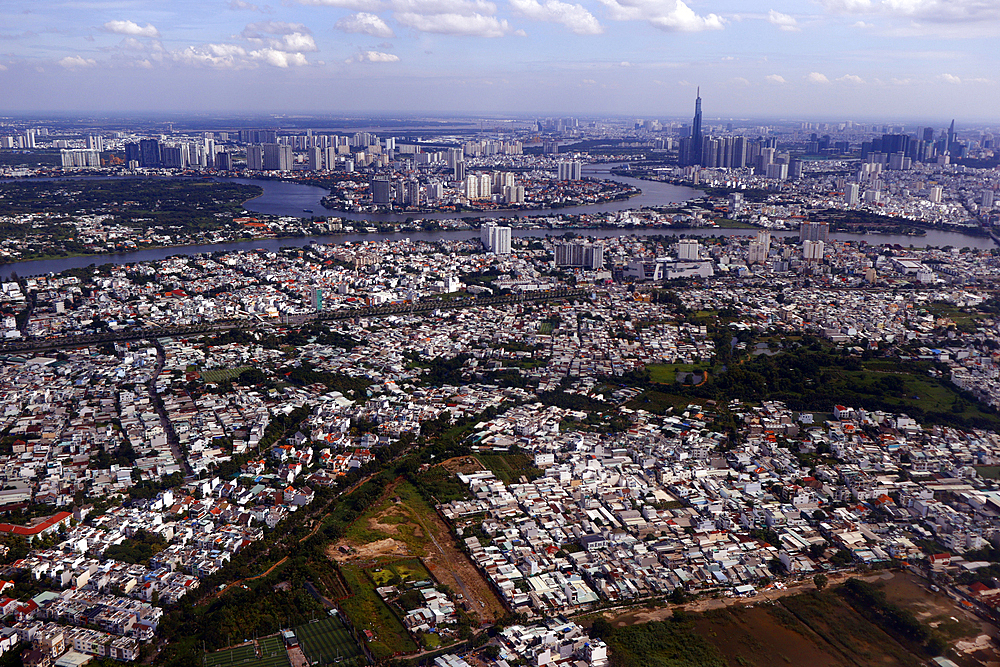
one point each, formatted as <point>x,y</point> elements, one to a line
<point>951,134</point>
<point>696,130</point>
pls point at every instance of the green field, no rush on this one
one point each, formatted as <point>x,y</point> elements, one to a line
<point>410,569</point>
<point>223,374</point>
<point>329,642</point>
<point>667,373</point>
<point>510,467</point>
<point>272,654</point>
<point>367,611</point>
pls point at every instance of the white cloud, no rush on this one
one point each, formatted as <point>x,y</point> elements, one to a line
<point>221,56</point>
<point>76,62</point>
<point>783,21</point>
<point>242,5</point>
<point>277,58</point>
<point>365,24</point>
<point>456,24</point>
<point>740,81</point>
<point>574,17</point>
<point>588,82</point>
<point>363,5</point>
<point>374,57</point>
<point>774,78</point>
<point>463,7</point>
<point>625,63</point>
<point>953,18</point>
<point>851,78</point>
<point>131,28</point>
<point>3,68</point>
<point>280,36</point>
<point>816,77</point>
<point>949,78</point>
<point>669,15</point>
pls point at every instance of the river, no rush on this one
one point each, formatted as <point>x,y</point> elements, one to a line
<point>282,198</point>
<point>295,199</point>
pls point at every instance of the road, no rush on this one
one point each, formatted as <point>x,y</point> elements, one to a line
<point>157,402</point>
<point>32,345</point>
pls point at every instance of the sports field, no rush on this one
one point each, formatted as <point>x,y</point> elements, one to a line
<point>329,642</point>
<point>271,654</point>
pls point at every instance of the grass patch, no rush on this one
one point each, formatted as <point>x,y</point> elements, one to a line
<point>510,467</point>
<point>368,612</point>
<point>667,373</point>
<point>268,652</point>
<point>988,472</point>
<point>329,642</point>
<point>223,374</point>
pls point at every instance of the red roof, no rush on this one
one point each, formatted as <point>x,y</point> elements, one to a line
<point>37,529</point>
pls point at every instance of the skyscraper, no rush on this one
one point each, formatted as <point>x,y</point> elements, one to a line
<point>694,147</point>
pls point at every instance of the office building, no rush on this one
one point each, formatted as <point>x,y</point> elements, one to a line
<point>381,190</point>
<point>694,143</point>
<point>986,199</point>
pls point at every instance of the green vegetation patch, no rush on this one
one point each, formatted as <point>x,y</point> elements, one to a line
<point>223,374</point>
<point>328,642</point>
<point>368,612</point>
<point>672,643</point>
<point>510,467</point>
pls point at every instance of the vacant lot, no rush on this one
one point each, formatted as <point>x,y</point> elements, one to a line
<point>402,525</point>
<point>371,617</point>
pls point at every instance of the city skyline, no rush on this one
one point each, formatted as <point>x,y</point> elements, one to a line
<point>861,59</point>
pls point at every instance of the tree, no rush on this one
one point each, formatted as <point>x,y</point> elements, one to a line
<point>821,580</point>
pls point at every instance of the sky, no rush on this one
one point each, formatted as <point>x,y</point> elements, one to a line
<point>902,60</point>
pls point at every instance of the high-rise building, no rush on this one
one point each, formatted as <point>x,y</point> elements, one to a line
<point>277,157</point>
<point>695,144</point>
<point>986,199</point>
<point>812,251</point>
<point>381,190</point>
<point>315,155</point>
<point>814,231</point>
<point>95,142</point>
<point>934,196</point>
<point>149,153</point>
<point>223,161</point>
<point>255,157</point>
<point>495,239</point>
<point>585,255</point>
<point>80,158</point>
<point>570,170</point>
<point>687,250</point>
<point>852,195</point>
<point>316,298</point>
<point>472,186</point>
<point>513,194</point>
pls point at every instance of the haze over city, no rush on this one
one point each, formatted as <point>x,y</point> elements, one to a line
<point>834,59</point>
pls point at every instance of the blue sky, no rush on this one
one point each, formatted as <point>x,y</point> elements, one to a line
<point>822,59</point>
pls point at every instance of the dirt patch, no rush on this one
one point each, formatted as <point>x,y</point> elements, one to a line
<point>753,636</point>
<point>462,464</point>
<point>387,548</point>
